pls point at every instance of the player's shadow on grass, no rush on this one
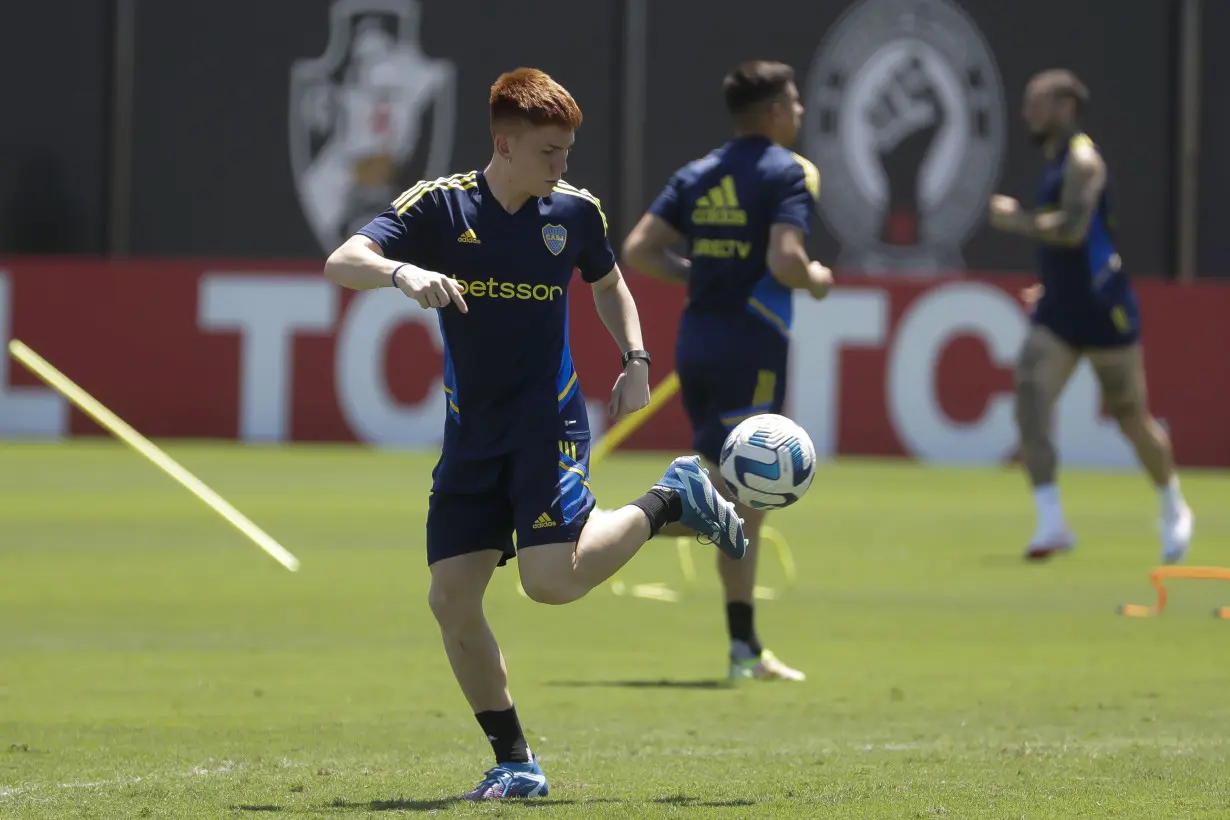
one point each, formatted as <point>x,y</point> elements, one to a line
<point>450,802</point>
<point>1013,560</point>
<point>695,802</point>
<point>664,683</point>
<point>396,805</point>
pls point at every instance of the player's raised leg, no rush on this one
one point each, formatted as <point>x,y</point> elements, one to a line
<point>1121,373</point>
<point>1043,368</point>
<point>467,538</point>
<point>565,547</point>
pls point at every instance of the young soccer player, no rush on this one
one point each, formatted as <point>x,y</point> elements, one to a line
<point>493,251</point>
<point>1084,305</point>
<point>743,210</point>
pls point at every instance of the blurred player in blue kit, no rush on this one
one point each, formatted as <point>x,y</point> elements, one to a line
<point>743,211</point>
<point>1083,305</point>
<point>493,252</point>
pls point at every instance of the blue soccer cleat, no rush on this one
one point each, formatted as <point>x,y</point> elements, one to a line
<point>704,510</point>
<point>511,780</point>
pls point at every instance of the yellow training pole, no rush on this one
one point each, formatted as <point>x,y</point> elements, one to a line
<point>117,427</point>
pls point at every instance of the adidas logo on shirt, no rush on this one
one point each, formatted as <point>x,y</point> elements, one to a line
<point>720,206</point>
<point>469,237</point>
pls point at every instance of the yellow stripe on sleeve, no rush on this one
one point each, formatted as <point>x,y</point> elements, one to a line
<point>811,175</point>
<point>571,190</point>
<point>456,182</point>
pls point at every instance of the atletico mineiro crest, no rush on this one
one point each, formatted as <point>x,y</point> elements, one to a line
<point>556,236</point>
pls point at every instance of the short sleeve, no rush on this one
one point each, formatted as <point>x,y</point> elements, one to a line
<point>403,230</point>
<point>596,259</point>
<point>799,195</point>
<point>667,206</point>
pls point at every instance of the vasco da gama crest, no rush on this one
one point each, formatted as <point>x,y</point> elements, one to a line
<point>360,115</point>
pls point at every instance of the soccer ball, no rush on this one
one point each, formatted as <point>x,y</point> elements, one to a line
<point>767,462</point>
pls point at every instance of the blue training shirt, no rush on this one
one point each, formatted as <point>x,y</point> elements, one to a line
<point>508,371</point>
<point>724,205</point>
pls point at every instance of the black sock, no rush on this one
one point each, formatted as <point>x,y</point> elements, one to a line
<point>503,729</point>
<point>661,506</point>
<point>739,623</point>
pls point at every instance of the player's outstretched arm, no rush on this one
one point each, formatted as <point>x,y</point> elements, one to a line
<point>359,264</point>
<point>790,265</point>
<point>647,249</point>
<point>1084,177</point>
<point>617,309</point>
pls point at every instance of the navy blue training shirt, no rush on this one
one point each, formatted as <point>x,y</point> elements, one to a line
<point>724,205</point>
<point>1085,278</point>
<point>508,370</point>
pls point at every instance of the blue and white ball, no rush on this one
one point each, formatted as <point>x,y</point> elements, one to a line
<point>767,462</point>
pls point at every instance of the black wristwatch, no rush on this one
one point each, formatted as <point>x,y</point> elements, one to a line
<point>637,354</point>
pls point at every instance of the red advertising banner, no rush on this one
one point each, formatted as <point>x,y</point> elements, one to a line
<point>271,351</point>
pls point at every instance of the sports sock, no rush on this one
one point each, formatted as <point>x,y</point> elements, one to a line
<point>503,729</point>
<point>1050,513</point>
<point>739,622</point>
<point>1170,496</point>
<point>661,506</point>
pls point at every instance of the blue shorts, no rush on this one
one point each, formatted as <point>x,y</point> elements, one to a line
<point>540,492</point>
<point>719,391</point>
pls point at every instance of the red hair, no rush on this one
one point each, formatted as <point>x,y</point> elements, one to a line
<point>529,95</point>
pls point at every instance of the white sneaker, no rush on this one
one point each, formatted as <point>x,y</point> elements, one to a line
<point>1177,535</point>
<point>1048,541</point>
<point>765,667</point>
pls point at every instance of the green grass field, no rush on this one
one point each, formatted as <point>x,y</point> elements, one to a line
<point>153,663</point>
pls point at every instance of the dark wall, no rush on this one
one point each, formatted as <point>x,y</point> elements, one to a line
<point>1129,75</point>
<point>231,158</point>
<point>1213,242</point>
<point>219,148</point>
<point>54,76</point>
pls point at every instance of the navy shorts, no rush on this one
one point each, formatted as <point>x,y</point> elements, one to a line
<point>720,391</point>
<point>540,493</point>
<point>1092,326</point>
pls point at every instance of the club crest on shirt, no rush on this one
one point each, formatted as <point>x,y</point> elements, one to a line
<point>556,236</point>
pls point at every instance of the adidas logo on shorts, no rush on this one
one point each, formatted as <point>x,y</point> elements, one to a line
<point>542,521</point>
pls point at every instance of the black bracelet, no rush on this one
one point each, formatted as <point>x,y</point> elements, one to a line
<point>393,275</point>
<point>643,355</point>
